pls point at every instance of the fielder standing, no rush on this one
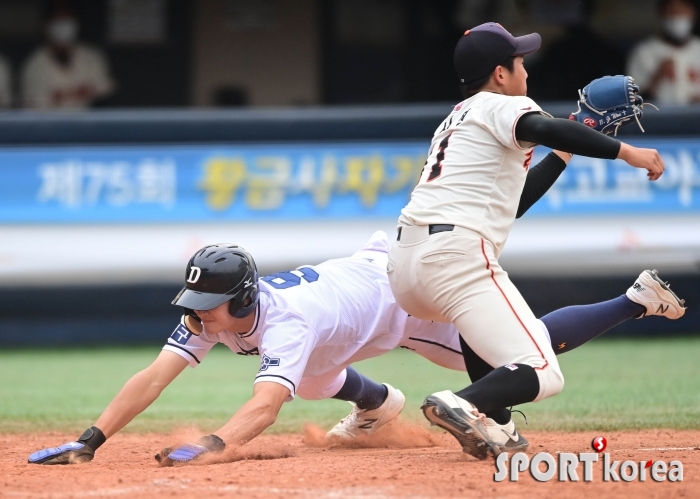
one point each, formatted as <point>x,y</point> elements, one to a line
<point>444,264</point>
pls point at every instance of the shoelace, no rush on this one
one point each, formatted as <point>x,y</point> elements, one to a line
<point>352,418</point>
<point>521,413</point>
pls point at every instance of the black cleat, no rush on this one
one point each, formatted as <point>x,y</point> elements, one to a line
<point>463,421</point>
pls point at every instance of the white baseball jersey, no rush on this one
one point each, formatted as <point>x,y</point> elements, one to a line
<point>315,321</point>
<point>476,168</point>
<point>47,84</point>
<point>684,87</point>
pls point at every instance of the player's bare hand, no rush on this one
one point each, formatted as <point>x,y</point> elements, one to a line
<point>649,159</point>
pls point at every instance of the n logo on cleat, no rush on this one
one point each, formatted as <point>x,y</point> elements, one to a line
<point>367,425</point>
<point>661,309</point>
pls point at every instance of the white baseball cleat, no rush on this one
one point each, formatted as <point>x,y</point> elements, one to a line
<point>365,422</point>
<point>656,296</point>
<point>506,436</point>
<point>463,421</point>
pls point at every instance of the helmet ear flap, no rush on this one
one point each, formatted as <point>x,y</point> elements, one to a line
<point>247,303</point>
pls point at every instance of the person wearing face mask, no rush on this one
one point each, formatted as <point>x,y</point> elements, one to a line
<point>64,73</point>
<point>667,67</point>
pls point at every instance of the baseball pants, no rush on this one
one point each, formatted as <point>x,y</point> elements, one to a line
<point>454,276</point>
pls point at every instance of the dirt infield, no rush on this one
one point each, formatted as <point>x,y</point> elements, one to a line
<point>404,460</point>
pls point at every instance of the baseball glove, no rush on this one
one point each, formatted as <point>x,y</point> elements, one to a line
<point>610,102</point>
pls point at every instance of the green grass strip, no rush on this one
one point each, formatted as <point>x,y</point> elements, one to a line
<point>610,385</point>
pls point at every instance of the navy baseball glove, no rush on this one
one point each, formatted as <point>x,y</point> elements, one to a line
<point>80,451</point>
<point>188,452</point>
<point>610,102</point>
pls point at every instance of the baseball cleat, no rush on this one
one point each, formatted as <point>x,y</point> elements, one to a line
<point>463,421</point>
<point>656,296</point>
<point>366,421</point>
<point>506,436</point>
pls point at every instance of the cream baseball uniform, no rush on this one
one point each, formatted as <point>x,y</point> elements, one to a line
<point>685,85</point>
<point>473,179</point>
<point>313,322</point>
<point>47,84</point>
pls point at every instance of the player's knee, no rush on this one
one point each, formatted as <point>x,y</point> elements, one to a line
<point>309,391</point>
<point>551,381</point>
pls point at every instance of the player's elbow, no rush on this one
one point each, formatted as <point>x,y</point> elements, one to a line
<point>268,415</point>
<point>151,381</point>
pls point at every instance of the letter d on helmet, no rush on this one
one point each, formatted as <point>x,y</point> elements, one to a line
<point>195,272</point>
<point>217,274</point>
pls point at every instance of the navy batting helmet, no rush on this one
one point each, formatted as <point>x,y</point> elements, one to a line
<point>219,273</point>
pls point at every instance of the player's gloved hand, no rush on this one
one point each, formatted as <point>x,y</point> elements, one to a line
<point>610,102</point>
<point>80,451</point>
<point>188,452</point>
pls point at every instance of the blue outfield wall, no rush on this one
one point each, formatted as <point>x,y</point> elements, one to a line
<point>330,164</point>
<point>132,315</point>
<point>298,182</point>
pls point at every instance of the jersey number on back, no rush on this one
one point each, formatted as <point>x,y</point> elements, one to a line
<point>436,169</point>
<point>284,280</point>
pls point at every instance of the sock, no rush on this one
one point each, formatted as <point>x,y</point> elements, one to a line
<point>477,369</point>
<point>503,387</point>
<point>364,392</point>
<point>571,327</point>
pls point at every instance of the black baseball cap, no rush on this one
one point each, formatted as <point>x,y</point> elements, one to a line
<point>488,45</point>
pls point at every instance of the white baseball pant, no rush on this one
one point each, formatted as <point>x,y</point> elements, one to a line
<point>454,276</point>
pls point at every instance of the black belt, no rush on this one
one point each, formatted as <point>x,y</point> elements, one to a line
<point>432,229</point>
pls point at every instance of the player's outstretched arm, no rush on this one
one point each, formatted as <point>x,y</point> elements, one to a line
<point>649,159</point>
<point>250,420</point>
<point>136,395</point>
<point>140,392</point>
<point>576,138</point>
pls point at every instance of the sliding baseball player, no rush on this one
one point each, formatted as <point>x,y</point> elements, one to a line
<point>308,326</point>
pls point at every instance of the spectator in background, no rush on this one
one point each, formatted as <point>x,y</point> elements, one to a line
<point>571,62</point>
<point>64,73</point>
<point>5,83</point>
<point>667,67</point>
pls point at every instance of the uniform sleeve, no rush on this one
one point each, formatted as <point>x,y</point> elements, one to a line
<point>188,345</point>
<point>502,114</point>
<point>284,352</point>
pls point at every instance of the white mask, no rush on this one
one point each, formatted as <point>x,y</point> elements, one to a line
<point>62,31</point>
<point>678,27</point>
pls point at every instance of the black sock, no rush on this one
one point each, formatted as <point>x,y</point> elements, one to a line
<point>477,369</point>
<point>500,416</point>
<point>364,392</point>
<point>505,386</point>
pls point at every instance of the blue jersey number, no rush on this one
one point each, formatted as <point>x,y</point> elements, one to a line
<point>284,280</point>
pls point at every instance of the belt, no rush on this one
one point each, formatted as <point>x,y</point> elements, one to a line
<point>432,229</point>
